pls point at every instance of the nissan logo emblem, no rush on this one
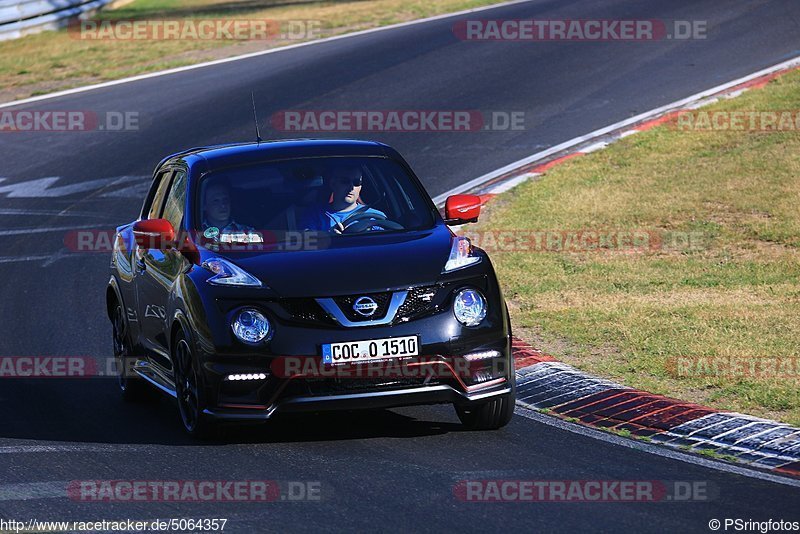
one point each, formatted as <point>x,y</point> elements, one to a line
<point>365,306</point>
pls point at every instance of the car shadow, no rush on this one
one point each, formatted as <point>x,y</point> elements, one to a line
<point>335,426</point>
<point>91,411</point>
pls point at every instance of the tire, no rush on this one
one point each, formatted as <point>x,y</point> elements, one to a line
<point>132,388</point>
<point>491,415</point>
<point>189,390</point>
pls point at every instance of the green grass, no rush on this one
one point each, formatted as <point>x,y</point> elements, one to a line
<point>621,432</point>
<point>710,453</point>
<point>627,315</point>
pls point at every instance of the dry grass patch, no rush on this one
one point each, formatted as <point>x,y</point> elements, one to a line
<point>627,315</point>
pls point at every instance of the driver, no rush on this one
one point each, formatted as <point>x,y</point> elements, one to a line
<point>345,183</point>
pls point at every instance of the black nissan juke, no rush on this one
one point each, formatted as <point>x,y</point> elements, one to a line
<point>306,275</point>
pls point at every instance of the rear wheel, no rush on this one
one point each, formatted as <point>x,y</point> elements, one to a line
<point>490,415</point>
<point>132,387</point>
<point>189,390</point>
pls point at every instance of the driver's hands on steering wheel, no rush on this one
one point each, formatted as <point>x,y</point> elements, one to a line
<point>361,223</point>
<point>338,228</point>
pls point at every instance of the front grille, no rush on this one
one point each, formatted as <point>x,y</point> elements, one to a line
<point>420,300</point>
<point>306,310</point>
<point>346,305</point>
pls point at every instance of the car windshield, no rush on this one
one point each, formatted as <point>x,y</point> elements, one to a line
<point>335,195</point>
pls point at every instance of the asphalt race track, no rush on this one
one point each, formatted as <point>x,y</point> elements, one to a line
<point>388,470</point>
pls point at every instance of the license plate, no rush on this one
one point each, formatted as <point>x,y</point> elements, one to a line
<point>370,350</point>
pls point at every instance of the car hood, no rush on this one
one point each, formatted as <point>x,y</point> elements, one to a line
<point>352,264</point>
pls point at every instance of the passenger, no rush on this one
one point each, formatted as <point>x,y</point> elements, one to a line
<point>217,213</point>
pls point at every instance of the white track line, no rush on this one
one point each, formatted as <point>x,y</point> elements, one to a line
<point>439,199</point>
<point>46,230</point>
<point>594,147</point>
<point>17,259</point>
<point>27,491</point>
<point>511,184</point>
<point>101,448</point>
<point>255,54</point>
<point>57,213</point>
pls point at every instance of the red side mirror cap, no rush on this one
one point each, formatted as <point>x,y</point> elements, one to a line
<point>154,233</point>
<point>462,209</point>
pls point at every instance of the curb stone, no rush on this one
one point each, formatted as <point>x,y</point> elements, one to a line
<point>546,384</point>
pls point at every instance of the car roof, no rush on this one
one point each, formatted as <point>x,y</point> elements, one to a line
<point>222,156</point>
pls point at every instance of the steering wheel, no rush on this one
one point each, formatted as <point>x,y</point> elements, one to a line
<point>359,223</point>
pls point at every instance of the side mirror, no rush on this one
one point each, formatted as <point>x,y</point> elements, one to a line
<point>462,209</point>
<point>154,233</point>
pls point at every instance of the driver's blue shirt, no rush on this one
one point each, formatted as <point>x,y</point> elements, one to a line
<point>328,219</point>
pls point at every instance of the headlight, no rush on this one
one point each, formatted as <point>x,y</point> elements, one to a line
<point>469,307</point>
<point>251,326</point>
<point>228,274</point>
<point>461,255</point>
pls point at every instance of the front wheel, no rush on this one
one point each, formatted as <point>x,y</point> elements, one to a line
<point>189,390</point>
<point>491,415</point>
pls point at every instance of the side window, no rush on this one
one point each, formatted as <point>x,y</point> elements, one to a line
<point>151,192</point>
<point>158,200</point>
<point>176,200</point>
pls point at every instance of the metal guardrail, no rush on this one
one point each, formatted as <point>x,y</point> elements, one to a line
<point>24,17</point>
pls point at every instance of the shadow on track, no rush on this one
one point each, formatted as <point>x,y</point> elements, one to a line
<point>91,411</point>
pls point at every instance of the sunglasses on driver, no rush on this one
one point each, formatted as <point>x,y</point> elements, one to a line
<point>354,181</point>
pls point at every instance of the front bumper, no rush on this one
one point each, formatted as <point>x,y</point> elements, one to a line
<point>438,394</point>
